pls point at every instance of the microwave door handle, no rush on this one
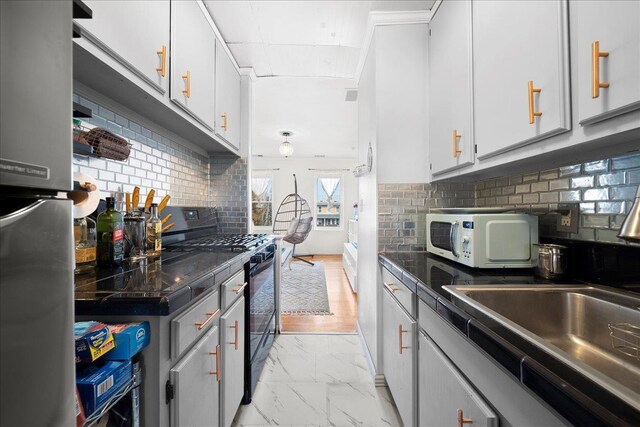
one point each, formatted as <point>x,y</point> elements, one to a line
<point>452,240</point>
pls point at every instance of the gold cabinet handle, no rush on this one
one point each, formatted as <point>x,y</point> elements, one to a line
<point>462,420</point>
<point>239,288</point>
<point>225,121</point>
<point>456,149</point>
<point>162,53</point>
<point>596,84</point>
<point>400,332</point>
<point>217,355</point>
<point>201,325</point>
<point>187,84</point>
<point>390,287</point>
<point>532,112</point>
<point>235,340</point>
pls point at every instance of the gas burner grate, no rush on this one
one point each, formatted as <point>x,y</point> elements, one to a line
<point>231,242</point>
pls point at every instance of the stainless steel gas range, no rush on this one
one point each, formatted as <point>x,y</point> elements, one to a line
<point>196,229</point>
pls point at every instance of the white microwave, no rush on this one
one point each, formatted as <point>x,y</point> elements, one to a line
<point>484,240</point>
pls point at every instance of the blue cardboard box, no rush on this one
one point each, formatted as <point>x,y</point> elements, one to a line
<point>97,384</point>
<point>129,338</point>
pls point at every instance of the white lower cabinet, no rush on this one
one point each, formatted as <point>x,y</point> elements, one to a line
<point>196,379</point>
<point>446,398</point>
<point>399,357</point>
<point>232,342</point>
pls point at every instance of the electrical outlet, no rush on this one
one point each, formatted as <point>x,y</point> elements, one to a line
<point>568,218</point>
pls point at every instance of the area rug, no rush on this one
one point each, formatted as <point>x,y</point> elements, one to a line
<point>303,291</point>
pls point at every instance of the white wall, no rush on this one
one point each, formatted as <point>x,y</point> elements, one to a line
<point>319,241</point>
<point>368,217</point>
<point>392,117</point>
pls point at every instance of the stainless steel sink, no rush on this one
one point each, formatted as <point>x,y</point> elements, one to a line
<point>594,329</point>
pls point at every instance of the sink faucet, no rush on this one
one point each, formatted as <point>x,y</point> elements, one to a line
<point>630,230</point>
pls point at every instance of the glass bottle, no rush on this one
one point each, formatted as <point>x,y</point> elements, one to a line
<point>84,233</point>
<point>154,233</point>
<point>110,251</point>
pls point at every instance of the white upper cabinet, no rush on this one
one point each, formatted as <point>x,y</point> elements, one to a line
<point>450,109</point>
<point>193,46</point>
<point>134,33</point>
<point>608,57</point>
<point>227,98</point>
<point>521,73</point>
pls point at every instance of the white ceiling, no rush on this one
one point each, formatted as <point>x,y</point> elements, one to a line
<point>299,38</point>
<point>314,109</point>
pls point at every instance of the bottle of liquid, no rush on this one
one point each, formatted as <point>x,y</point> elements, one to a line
<point>154,233</point>
<point>110,252</point>
<point>84,233</point>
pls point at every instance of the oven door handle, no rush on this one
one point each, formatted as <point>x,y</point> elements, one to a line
<point>452,238</point>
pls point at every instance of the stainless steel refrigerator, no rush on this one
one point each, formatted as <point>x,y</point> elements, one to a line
<point>37,375</point>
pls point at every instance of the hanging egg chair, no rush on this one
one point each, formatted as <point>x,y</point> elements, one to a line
<point>293,220</point>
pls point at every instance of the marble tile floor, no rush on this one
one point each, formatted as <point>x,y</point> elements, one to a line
<point>318,380</point>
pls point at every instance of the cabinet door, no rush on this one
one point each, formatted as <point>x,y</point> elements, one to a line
<point>232,341</point>
<point>399,357</point>
<point>445,395</point>
<point>615,26</point>
<point>515,43</point>
<point>134,33</point>
<point>227,98</point>
<point>451,104</point>
<point>196,383</point>
<point>193,45</point>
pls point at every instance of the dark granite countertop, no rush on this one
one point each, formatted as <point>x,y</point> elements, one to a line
<point>574,396</point>
<point>157,287</point>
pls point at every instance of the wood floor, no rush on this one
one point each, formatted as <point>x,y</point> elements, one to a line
<point>343,303</point>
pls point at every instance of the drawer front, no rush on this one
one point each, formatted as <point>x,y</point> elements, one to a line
<point>193,323</point>
<point>403,294</point>
<point>232,289</point>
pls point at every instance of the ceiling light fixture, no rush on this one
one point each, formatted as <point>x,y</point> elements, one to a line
<point>286,149</point>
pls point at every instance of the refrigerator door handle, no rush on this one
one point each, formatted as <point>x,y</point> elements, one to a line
<point>19,214</point>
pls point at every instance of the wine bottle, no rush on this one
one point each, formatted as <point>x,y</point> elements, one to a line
<point>110,227</point>
<point>154,233</point>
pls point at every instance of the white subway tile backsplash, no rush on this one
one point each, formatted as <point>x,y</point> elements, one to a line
<point>583,181</point>
<point>145,167</point>
<point>106,175</point>
<point>596,194</point>
<point>604,190</point>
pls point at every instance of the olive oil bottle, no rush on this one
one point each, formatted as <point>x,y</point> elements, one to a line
<point>154,233</point>
<point>110,228</point>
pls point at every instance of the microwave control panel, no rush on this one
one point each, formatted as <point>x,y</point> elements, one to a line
<point>466,232</point>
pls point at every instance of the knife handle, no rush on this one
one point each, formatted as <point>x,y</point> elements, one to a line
<point>163,203</point>
<point>136,197</point>
<point>166,219</point>
<point>127,198</point>
<point>168,227</point>
<point>147,203</point>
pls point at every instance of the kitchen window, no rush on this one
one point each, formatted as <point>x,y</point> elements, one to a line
<point>328,202</point>
<point>262,201</point>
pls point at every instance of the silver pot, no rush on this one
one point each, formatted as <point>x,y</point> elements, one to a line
<point>553,261</point>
